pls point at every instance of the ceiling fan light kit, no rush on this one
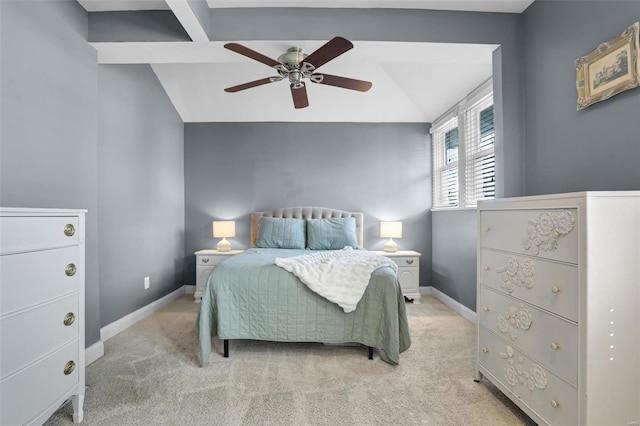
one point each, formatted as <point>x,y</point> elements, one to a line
<point>295,66</point>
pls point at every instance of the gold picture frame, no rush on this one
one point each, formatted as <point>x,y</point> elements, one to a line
<point>613,67</point>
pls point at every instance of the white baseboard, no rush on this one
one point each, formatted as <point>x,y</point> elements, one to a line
<point>452,304</point>
<point>110,330</point>
<point>96,351</point>
<point>189,289</point>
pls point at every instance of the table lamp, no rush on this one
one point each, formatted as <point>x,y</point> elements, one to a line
<point>391,230</point>
<point>223,229</point>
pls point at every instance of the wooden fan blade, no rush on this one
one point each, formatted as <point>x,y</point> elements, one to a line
<point>251,84</point>
<point>344,82</point>
<point>330,50</point>
<point>300,99</point>
<point>245,51</point>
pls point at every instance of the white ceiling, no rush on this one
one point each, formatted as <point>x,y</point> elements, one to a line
<point>412,82</point>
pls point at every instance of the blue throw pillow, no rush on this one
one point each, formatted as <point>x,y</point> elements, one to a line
<point>277,232</point>
<point>331,234</point>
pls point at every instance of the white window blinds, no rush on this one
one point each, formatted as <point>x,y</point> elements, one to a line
<point>463,152</point>
<point>480,170</point>
<point>446,141</point>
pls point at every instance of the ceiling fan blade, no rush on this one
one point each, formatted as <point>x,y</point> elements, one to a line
<point>344,82</point>
<point>245,51</point>
<point>251,84</point>
<point>299,94</point>
<point>330,50</point>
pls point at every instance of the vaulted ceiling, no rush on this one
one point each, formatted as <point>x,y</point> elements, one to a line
<point>412,82</point>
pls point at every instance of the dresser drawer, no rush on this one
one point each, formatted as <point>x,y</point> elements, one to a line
<point>36,388</point>
<point>545,337</point>
<point>28,335</point>
<point>549,396</point>
<point>35,233</point>
<point>547,234</point>
<point>550,285</point>
<point>35,277</point>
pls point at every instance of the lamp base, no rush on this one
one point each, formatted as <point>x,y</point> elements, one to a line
<point>223,245</point>
<point>390,246</point>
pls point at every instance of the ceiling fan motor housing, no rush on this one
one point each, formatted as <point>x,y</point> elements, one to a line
<point>294,68</point>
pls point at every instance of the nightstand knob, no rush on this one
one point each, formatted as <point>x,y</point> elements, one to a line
<point>69,367</point>
<point>554,403</point>
<point>486,268</point>
<point>69,230</point>
<point>555,289</point>
<point>486,309</point>
<point>409,261</point>
<point>555,346</point>
<point>69,319</point>
<point>205,260</point>
<point>485,350</point>
<point>487,229</point>
<point>70,270</point>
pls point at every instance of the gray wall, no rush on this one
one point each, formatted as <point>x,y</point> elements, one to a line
<point>108,141</point>
<point>566,149</point>
<point>48,107</point>
<point>379,169</point>
<point>140,190</point>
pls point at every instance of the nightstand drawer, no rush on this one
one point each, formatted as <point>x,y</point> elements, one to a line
<point>406,261</point>
<point>204,260</point>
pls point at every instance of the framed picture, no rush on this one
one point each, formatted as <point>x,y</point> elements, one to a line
<point>613,67</point>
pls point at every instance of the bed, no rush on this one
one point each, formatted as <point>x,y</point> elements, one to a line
<point>249,297</point>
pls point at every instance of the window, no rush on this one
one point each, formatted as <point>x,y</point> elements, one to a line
<point>463,152</point>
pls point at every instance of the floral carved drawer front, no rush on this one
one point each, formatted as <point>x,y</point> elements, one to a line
<point>518,271</point>
<point>543,233</point>
<point>515,318</point>
<point>515,372</point>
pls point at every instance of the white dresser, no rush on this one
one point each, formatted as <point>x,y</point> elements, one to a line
<point>41,313</point>
<point>559,305</point>
<point>408,262</point>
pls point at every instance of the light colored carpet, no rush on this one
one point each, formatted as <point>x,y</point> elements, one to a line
<point>149,376</point>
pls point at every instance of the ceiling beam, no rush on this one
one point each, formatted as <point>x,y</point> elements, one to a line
<point>193,17</point>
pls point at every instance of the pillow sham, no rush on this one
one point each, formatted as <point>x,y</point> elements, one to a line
<point>275,232</point>
<point>331,234</point>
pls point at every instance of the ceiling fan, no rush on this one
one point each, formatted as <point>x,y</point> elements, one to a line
<point>295,66</point>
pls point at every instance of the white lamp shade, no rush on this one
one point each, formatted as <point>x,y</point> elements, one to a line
<point>224,228</point>
<point>391,229</point>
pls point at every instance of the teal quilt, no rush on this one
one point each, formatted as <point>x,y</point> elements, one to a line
<point>248,297</point>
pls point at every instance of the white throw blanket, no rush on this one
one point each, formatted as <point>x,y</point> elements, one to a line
<point>340,276</point>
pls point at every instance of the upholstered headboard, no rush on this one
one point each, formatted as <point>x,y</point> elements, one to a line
<point>307,213</point>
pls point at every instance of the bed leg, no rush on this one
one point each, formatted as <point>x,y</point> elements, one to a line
<point>226,348</point>
<point>370,352</point>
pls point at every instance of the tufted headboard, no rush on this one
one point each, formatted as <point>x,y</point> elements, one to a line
<point>307,213</point>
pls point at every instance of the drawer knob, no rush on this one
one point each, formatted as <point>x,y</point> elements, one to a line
<point>554,403</point>
<point>409,261</point>
<point>486,268</point>
<point>555,346</point>
<point>486,308</point>
<point>485,350</point>
<point>69,319</point>
<point>487,229</point>
<point>69,230</point>
<point>69,367</point>
<point>555,289</point>
<point>205,260</point>
<point>70,270</point>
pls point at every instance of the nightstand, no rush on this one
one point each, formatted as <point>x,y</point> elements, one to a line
<point>408,262</point>
<point>206,260</point>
